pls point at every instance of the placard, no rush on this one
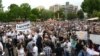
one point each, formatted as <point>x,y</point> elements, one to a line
<point>82,35</point>
<point>23,26</point>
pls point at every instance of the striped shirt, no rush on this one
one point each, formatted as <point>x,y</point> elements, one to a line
<point>47,51</point>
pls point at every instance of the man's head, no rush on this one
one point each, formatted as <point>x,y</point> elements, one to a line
<point>33,44</point>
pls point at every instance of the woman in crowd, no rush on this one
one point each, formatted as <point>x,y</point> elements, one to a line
<point>79,46</point>
<point>35,50</point>
<point>83,51</point>
<point>47,50</point>
<point>20,50</point>
<point>10,47</point>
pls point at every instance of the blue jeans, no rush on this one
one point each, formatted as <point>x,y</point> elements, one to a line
<point>66,53</point>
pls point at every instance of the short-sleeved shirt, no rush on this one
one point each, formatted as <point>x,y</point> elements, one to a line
<point>47,51</point>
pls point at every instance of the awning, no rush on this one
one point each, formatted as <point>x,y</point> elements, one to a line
<point>91,19</point>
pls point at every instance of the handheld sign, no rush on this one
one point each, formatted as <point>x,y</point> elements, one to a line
<point>82,35</point>
<point>23,27</point>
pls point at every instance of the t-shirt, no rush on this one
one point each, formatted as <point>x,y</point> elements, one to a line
<point>92,52</point>
<point>20,37</point>
<point>4,39</point>
<point>53,38</point>
<point>69,46</point>
<point>21,52</point>
<point>35,51</point>
<point>30,47</point>
<point>35,38</point>
<point>47,51</point>
<point>1,46</point>
<point>29,36</point>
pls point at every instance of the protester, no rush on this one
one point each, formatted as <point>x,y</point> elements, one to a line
<point>39,44</point>
<point>83,51</point>
<point>47,50</point>
<point>30,48</point>
<point>20,50</point>
<point>79,46</point>
<point>10,47</point>
<point>1,49</point>
<point>35,50</point>
<point>48,38</point>
<point>59,50</point>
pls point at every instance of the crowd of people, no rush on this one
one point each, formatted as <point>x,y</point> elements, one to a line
<point>47,39</point>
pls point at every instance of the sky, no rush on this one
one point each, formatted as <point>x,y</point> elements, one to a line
<point>45,3</point>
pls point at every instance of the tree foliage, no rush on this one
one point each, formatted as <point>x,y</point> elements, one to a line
<point>89,6</point>
<point>46,14</point>
<point>25,10</point>
<point>80,14</point>
<point>71,16</point>
<point>60,14</point>
<point>14,11</point>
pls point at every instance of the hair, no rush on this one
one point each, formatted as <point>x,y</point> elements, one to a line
<point>58,44</point>
<point>90,43</point>
<point>33,44</point>
<point>45,32</point>
<point>80,41</point>
<point>19,46</point>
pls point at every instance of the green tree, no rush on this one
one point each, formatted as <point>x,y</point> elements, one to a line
<point>42,14</point>
<point>80,14</point>
<point>14,11</point>
<point>60,14</point>
<point>89,6</point>
<point>71,16</point>
<point>1,7</point>
<point>46,14</point>
<point>35,12</point>
<point>4,17</point>
<point>25,10</point>
<point>32,17</point>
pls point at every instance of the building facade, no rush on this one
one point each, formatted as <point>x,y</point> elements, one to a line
<point>67,8</point>
<point>55,8</point>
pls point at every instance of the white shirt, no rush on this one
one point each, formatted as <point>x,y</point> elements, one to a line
<point>29,36</point>
<point>4,39</point>
<point>35,51</point>
<point>53,38</point>
<point>92,52</point>
<point>35,38</point>
<point>8,34</point>
<point>21,52</point>
<point>69,46</point>
<point>19,37</point>
<point>1,46</point>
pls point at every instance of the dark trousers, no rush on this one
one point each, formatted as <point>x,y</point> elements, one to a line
<point>29,54</point>
<point>10,51</point>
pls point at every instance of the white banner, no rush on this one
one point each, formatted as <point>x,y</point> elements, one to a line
<point>82,35</point>
<point>95,38</point>
<point>23,26</point>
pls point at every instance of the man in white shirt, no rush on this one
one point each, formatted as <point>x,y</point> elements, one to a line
<point>29,36</point>
<point>20,38</point>
<point>92,52</point>
<point>35,50</point>
<point>1,46</point>
<point>35,37</point>
<point>4,37</point>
